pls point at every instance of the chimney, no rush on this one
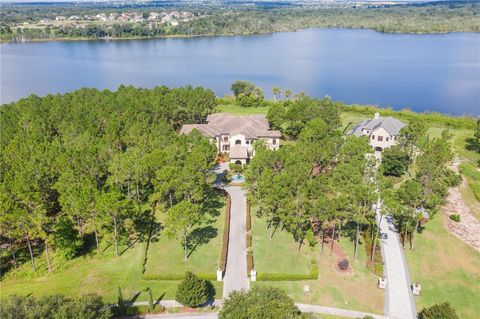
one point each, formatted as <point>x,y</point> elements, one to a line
<point>377,115</point>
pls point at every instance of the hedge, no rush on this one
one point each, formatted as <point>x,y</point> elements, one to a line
<point>313,275</point>
<point>249,262</point>
<point>249,217</point>
<point>226,232</point>
<point>175,277</point>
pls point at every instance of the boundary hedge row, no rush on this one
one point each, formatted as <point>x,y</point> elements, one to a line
<point>177,277</point>
<point>313,275</point>
<point>226,234</point>
<point>250,264</point>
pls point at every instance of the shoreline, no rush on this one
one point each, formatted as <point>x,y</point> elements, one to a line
<point>209,35</point>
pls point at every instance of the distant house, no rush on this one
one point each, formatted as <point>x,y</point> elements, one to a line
<point>382,132</point>
<point>234,135</point>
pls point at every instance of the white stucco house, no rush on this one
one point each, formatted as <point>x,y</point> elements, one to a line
<point>234,135</point>
<point>382,132</point>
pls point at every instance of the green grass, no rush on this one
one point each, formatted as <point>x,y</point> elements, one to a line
<point>279,254</point>
<point>447,269</point>
<point>236,109</point>
<point>356,290</point>
<point>167,256</point>
<point>96,273</point>
<point>104,273</point>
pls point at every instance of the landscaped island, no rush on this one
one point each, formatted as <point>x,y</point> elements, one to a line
<point>99,20</point>
<point>99,193</point>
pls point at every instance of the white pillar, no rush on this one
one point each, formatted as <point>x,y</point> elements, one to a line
<point>253,275</point>
<point>219,275</point>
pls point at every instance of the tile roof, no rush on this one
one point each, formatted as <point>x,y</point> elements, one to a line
<point>238,151</point>
<point>251,126</point>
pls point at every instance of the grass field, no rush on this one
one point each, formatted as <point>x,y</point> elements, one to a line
<point>279,254</point>
<point>101,274</point>
<point>167,256</point>
<point>447,269</point>
<point>104,273</point>
<point>356,290</point>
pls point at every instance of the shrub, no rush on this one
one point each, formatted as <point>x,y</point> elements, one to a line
<point>441,311</point>
<point>259,303</point>
<point>177,277</point>
<point>226,232</point>
<point>249,218</point>
<point>90,306</point>
<point>455,217</point>
<point>395,161</point>
<point>249,241</point>
<point>193,291</point>
<point>343,264</point>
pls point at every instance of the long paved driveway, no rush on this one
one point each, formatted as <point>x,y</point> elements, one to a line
<point>236,272</point>
<point>399,302</point>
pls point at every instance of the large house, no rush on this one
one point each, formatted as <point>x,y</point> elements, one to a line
<point>234,135</point>
<point>382,132</point>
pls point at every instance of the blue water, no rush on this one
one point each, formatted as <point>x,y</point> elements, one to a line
<point>238,178</point>
<point>421,72</point>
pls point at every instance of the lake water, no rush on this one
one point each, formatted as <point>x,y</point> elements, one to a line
<point>421,72</point>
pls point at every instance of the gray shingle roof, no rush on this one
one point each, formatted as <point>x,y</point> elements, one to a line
<point>251,126</point>
<point>391,125</point>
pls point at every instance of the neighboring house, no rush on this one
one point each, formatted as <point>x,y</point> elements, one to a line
<point>382,132</point>
<point>234,135</point>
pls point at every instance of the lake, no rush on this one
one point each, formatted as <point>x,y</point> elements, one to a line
<point>421,72</point>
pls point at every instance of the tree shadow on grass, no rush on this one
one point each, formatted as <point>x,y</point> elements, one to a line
<point>160,298</point>
<point>200,236</point>
<point>213,204</point>
<point>472,144</point>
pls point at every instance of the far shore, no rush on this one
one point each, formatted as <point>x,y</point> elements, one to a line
<point>173,36</point>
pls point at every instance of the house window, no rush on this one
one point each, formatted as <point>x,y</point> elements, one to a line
<point>274,141</point>
<point>225,138</point>
<point>247,142</point>
<point>238,142</point>
<point>226,147</point>
<point>380,138</point>
<point>373,137</point>
<point>387,139</point>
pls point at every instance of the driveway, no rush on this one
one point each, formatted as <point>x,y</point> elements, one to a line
<point>399,302</point>
<point>236,277</point>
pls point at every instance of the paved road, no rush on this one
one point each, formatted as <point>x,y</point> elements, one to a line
<point>399,302</point>
<point>236,272</point>
<point>336,311</point>
<point>303,307</point>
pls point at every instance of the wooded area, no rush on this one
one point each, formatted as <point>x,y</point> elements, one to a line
<point>90,168</point>
<point>440,17</point>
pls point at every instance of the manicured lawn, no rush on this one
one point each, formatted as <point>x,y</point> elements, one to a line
<point>104,273</point>
<point>356,290</point>
<point>447,269</point>
<point>236,109</point>
<point>166,255</point>
<point>279,254</point>
<point>101,274</point>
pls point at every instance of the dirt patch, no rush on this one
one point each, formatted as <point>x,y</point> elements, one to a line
<point>468,229</point>
<point>339,254</point>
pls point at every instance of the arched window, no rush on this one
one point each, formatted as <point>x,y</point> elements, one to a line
<point>238,142</point>
<point>238,162</point>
